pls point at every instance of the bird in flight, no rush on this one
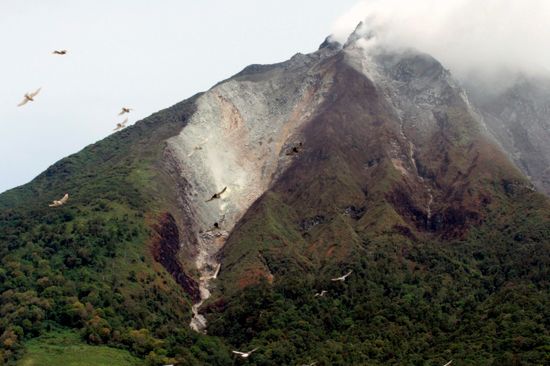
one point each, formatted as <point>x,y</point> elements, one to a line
<point>121,125</point>
<point>321,294</point>
<point>61,202</point>
<point>295,149</point>
<point>217,271</point>
<point>448,363</point>
<point>59,52</point>
<point>342,278</point>
<point>124,110</point>
<point>217,195</point>
<point>29,97</point>
<point>244,354</point>
<point>198,147</point>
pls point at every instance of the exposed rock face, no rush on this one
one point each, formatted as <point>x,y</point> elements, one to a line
<point>395,136</point>
<point>519,118</point>
<point>239,138</point>
<point>165,248</point>
<point>391,143</point>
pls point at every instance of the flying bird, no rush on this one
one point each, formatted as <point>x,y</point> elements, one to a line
<point>61,202</point>
<point>198,147</point>
<point>321,294</point>
<point>295,149</point>
<point>217,195</point>
<point>124,110</point>
<point>29,97</point>
<point>121,125</point>
<point>217,271</point>
<point>244,354</point>
<point>342,278</point>
<point>59,52</point>
<point>448,363</point>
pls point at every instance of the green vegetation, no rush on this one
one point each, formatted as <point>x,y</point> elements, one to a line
<point>87,265</point>
<point>65,348</point>
<point>79,283</point>
<point>405,303</point>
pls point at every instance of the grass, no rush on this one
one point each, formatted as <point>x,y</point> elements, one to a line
<point>66,348</point>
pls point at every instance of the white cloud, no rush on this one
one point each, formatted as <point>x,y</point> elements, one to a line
<point>467,36</point>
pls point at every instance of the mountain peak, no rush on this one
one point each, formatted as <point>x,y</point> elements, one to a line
<point>331,44</point>
<point>361,32</point>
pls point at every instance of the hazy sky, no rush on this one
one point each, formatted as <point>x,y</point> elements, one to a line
<point>139,53</point>
<point>479,36</point>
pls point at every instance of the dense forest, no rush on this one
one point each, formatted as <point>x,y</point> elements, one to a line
<point>477,299</point>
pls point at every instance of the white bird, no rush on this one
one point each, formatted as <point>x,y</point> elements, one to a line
<point>59,52</point>
<point>198,147</point>
<point>321,294</point>
<point>124,110</point>
<point>121,125</point>
<point>217,271</point>
<point>244,354</point>
<point>448,363</point>
<point>310,364</point>
<point>342,278</point>
<point>61,202</point>
<point>29,97</point>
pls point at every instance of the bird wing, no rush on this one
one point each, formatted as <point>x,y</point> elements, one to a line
<point>448,363</point>
<point>347,274</point>
<point>35,93</point>
<point>124,122</point>
<point>238,353</point>
<point>217,270</point>
<point>23,102</point>
<point>222,191</point>
<point>122,112</point>
<point>254,350</point>
<point>64,199</point>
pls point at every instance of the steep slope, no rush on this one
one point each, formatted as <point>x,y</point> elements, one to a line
<point>104,263</point>
<point>397,148</point>
<point>399,181</point>
<point>395,176</point>
<point>238,139</point>
<point>519,118</point>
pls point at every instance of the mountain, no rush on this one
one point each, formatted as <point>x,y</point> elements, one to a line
<point>518,116</point>
<point>212,225</point>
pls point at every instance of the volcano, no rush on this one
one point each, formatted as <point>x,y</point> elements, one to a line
<point>356,158</point>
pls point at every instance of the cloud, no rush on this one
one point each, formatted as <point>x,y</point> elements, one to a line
<point>470,37</point>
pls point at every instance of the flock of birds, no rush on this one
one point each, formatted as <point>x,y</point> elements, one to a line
<point>296,149</point>
<point>29,97</point>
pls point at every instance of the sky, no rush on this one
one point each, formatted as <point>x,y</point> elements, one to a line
<point>143,54</point>
<point>481,38</point>
<point>149,55</point>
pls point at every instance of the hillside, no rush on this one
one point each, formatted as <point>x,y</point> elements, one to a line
<point>349,158</point>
